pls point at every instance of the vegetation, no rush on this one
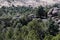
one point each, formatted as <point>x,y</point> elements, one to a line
<point>26,23</point>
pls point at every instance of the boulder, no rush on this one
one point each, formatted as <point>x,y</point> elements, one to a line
<point>54,12</point>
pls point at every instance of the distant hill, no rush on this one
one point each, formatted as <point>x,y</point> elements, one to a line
<point>33,3</point>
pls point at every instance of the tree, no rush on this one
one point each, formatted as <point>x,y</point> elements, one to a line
<point>9,34</point>
<point>57,37</point>
<point>41,12</point>
<point>32,35</point>
<point>48,37</point>
<point>53,29</point>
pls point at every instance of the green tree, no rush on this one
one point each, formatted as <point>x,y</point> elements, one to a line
<point>9,34</point>
<point>41,12</point>
<point>56,37</point>
<point>48,37</point>
<point>32,35</point>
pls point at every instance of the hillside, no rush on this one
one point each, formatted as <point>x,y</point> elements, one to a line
<point>29,20</point>
<point>33,3</point>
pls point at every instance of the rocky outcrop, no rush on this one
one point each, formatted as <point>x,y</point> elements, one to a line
<point>54,14</point>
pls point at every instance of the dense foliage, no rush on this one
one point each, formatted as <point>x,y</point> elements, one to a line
<point>27,23</point>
